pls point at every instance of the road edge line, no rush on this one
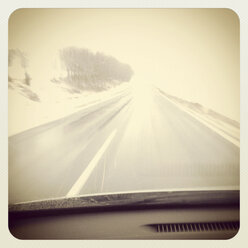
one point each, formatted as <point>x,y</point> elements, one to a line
<point>219,132</point>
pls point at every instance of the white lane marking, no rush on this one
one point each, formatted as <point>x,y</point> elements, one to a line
<point>216,130</point>
<point>78,185</point>
<point>103,176</point>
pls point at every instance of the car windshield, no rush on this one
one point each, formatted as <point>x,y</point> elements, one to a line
<point>122,100</point>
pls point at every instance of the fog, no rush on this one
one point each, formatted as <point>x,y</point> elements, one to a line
<point>120,100</point>
<point>190,53</point>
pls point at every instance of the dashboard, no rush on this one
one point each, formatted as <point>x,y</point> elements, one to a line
<point>149,215</point>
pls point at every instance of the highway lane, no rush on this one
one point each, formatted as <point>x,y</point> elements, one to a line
<point>162,147</point>
<point>136,141</point>
<point>45,161</point>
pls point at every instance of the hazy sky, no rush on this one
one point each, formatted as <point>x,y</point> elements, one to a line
<point>190,53</point>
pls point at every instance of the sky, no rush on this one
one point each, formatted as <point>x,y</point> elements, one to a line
<point>190,53</point>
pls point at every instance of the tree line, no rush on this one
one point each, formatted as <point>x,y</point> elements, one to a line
<point>17,54</point>
<point>93,71</point>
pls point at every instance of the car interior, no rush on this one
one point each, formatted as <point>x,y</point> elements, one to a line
<point>212,214</point>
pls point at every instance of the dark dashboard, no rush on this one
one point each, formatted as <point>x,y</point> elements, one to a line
<point>143,215</point>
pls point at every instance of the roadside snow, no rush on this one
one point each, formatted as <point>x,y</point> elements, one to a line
<point>31,106</point>
<point>227,128</point>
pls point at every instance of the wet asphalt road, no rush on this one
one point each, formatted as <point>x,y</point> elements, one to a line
<point>130,142</point>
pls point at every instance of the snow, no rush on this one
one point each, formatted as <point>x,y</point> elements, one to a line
<point>53,101</point>
<point>227,128</point>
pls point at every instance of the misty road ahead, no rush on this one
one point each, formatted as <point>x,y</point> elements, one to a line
<point>131,142</point>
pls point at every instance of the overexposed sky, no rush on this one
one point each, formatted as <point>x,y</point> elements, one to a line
<point>190,53</point>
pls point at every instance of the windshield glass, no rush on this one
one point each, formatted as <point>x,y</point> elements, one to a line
<point>118,100</point>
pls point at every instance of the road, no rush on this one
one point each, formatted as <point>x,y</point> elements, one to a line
<point>132,142</point>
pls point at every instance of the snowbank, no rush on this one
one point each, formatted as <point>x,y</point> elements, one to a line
<point>226,127</point>
<point>31,106</point>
